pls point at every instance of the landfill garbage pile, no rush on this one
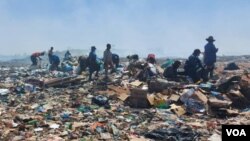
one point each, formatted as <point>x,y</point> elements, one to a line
<point>60,105</point>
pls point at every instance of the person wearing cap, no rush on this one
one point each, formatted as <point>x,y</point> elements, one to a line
<point>193,66</point>
<point>107,59</point>
<point>35,56</point>
<point>210,56</point>
<point>92,63</point>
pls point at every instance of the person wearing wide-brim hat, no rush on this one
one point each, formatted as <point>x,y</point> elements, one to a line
<point>210,39</point>
<point>210,56</point>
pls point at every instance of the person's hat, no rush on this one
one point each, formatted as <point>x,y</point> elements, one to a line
<point>210,38</point>
<point>93,48</point>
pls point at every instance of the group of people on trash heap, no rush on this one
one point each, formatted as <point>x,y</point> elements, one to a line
<point>193,67</point>
<point>111,61</point>
<point>54,60</point>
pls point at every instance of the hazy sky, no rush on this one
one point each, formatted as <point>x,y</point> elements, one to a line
<point>163,27</point>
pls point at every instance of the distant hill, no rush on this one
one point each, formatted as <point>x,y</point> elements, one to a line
<point>25,59</point>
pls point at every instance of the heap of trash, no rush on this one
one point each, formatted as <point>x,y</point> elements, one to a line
<point>38,104</point>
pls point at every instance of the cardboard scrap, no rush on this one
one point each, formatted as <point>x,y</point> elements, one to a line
<point>156,99</point>
<point>118,90</point>
<point>123,97</point>
<point>174,97</point>
<point>178,110</point>
<point>213,102</point>
<point>200,96</point>
<point>151,99</point>
<point>136,83</point>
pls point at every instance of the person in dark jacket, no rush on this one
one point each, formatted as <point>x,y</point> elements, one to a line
<point>193,66</point>
<point>92,63</point>
<point>83,63</point>
<point>171,72</point>
<point>55,61</point>
<point>210,56</point>
<point>116,60</point>
<point>35,56</point>
<point>50,53</point>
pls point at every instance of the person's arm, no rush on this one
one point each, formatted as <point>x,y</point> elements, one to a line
<point>214,49</point>
<point>38,56</point>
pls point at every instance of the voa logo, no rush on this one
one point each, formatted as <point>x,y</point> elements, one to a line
<point>236,132</point>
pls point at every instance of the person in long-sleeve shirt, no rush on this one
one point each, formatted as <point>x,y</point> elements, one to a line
<point>35,56</point>
<point>55,61</point>
<point>107,58</point>
<point>92,63</point>
<point>193,66</point>
<point>210,56</point>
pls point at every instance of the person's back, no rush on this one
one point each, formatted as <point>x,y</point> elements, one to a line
<point>210,54</point>
<point>55,59</point>
<point>108,62</point>
<point>116,59</point>
<point>36,54</point>
<point>171,71</point>
<point>92,63</point>
<point>194,61</point>
<point>92,58</point>
<point>83,63</point>
<point>107,56</point>
<point>193,66</point>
